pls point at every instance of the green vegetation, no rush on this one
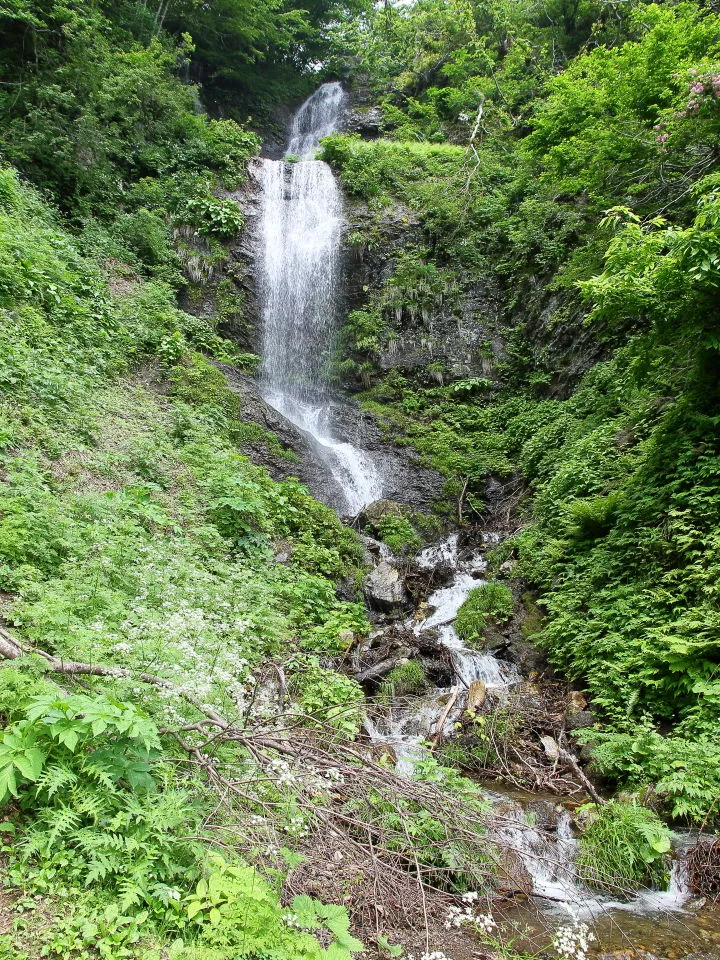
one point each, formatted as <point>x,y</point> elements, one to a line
<point>624,846</point>
<point>488,603</point>
<point>566,157</point>
<point>398,533</point>
<point>407,679</point>
<point>178,739</point>
<point>134,535</point>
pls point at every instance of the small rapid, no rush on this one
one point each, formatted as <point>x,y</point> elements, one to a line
<point>300,281</point>
<point>543,848</point>
<point>406,728</point>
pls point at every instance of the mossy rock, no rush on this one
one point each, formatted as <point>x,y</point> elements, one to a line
<point>490,603</point>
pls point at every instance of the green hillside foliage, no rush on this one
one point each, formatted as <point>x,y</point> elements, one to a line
<point>570,151</point>
<point>135,534</point>
<point>563,153</point>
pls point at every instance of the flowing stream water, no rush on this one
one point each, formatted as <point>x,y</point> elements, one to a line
<point>300,279</point>
<point>546,850</point>
<point>300,275</point>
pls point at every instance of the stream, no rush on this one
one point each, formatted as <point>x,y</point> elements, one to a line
<point>299,275</point>
<point>536,829</point>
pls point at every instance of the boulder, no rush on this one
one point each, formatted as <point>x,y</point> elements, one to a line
<point>552,751</point>
<point>476,696</point>
<point>576,702</point>
<point>373,550</point>
<point>512,877</point>
<point>579,720</point>
<point>375,511</point>
<point>384,587</point>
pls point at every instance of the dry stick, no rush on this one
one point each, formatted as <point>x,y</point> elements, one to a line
<point>569,758</point>
<point>461,500</point>
<point>441,722</point>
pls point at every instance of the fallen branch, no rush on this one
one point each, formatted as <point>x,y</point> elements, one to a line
<point>572,761</point>
<point>443,718</point>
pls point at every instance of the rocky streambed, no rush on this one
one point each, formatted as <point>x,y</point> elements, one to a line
<point>415,604</point>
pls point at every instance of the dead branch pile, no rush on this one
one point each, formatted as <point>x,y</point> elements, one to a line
<point>703,865</point>
<point>290,792</point>
<point>391,849</point>
<point>521,740</point>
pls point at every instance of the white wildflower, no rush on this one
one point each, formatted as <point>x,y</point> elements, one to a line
<point>572,941</point>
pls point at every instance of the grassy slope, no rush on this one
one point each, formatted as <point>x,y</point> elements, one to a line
<point>133,533</point>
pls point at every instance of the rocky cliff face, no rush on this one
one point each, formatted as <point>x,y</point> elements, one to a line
<point>440,337</point>
<point>466,332</point>
<point>403,476</point>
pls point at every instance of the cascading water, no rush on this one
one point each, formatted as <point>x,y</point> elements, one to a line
<point>546,853</point>
<point>300,281</point>
<point>406,729</point>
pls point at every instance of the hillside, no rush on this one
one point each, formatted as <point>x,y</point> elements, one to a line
<point>251,715</point>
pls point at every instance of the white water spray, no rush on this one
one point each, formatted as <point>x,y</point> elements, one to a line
<point>300,281</point>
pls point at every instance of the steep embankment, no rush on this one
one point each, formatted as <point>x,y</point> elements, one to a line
<point>136,539</point>
<point>588,371</point>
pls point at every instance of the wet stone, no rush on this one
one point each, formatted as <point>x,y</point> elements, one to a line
<point>374,512</point>
<point>384,587</point>
<point>476,696</point>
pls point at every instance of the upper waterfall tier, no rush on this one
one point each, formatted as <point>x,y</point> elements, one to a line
<point>318,117</point>
<point>301,230</point>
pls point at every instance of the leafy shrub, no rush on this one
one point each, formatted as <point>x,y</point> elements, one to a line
<point>83,765</point>
<point>330,699</point>
<point>238,910</point>
<point>398,533</point>
<point>486,603</point>
<point>590,519</point>
<point>624,847</point>
<point>683,770</point>
<point>481,741</point>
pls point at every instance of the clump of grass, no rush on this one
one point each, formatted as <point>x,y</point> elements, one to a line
<point>486,603</point>
<point>403,680</point>
<point>398,533</point>
<point>625,847</point>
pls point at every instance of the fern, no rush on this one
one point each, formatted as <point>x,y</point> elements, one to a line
<point>56,777</point>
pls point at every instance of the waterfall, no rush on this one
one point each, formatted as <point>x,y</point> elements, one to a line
<point>300,282</point>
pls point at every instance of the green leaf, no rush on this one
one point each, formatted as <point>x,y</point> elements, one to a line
<point>661,844</point>
<point>30,763</point>
<point>68,738</point>
<point>194,908</point>
<point>8,783</point>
